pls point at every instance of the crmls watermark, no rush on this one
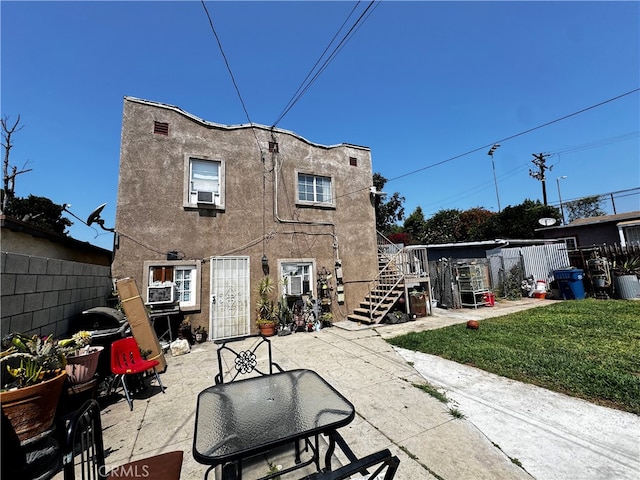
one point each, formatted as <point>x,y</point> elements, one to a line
<point>126,471</point>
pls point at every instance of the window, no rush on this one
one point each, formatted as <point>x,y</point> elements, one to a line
<point>632,235</point>
<point>296,278</point>
<point>183,278</point>
<point>353,161</point>
<point>204,183</point>
<point>184,274</point>
<point>570,242</point>
<point>314,189</point>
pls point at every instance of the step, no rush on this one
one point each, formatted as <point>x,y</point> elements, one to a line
<point>364,312</point>
<point>360,319</point>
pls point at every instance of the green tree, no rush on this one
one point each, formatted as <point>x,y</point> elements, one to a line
<point>517,222</point>
<point>444,227</point>
<point>39,212</point>
<point>388,212</point>
<point>415,226</point>
<point>584,207</point>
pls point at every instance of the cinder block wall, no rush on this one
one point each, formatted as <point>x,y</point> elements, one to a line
<point>41,295</point>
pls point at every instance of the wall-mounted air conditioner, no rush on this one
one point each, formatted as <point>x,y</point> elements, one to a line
<point>205,197</point>
<point>162,293</point>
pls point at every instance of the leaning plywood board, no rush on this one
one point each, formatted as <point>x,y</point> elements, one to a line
<point>141,326</point>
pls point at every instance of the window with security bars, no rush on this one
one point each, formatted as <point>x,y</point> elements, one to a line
<point>314,189</point>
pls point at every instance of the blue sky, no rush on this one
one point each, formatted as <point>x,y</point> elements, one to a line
<point>420,83</point>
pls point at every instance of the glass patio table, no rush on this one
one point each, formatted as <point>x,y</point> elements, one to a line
<point>238,420</point>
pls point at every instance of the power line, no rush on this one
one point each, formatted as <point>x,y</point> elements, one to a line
<point>517,134</point>
<point>483,147</point>
<point>233,80</point>
<point>302,89</point>
<point>284,110</point>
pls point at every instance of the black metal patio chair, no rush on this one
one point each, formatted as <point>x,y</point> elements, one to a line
<point>383,462</point>
<point>246,360</point>
<point>84,453</point>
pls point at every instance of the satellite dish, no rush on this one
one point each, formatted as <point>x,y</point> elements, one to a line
<point>94,217</point>
<point>547,222</point>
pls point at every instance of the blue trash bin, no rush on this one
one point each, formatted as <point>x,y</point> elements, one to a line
<point>570,283</point>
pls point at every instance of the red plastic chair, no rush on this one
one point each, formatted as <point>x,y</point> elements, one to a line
<point>126,360</point>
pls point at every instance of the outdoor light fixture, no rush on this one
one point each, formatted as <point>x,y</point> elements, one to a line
<point>265,264</point>
<point>493,165</point>
<point>560,197</point>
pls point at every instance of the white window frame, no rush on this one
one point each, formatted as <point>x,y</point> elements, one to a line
<point>194,266</point>
<point>314,179</point>
<point>190,197</point>
<point>629,234</point>
<point>302,269</point>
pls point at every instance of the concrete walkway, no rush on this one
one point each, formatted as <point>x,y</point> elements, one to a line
<point>392,413</point>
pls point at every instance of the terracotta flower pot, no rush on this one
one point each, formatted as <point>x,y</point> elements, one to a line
<point>267,329</point>
<point>81,366</point>
<point>31,410</point>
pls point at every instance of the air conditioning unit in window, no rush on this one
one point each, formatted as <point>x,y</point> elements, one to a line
<point>162,293</point>
<point>205,197</point>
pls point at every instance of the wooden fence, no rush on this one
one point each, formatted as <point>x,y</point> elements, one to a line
<point>613,253</point>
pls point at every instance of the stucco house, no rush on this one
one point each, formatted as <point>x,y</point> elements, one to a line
<point>213,208</point>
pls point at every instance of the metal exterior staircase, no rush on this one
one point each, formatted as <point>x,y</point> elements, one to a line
<point>389,285</point>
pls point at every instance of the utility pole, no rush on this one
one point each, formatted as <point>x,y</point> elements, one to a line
<point>493,165</point>
<point>540,162</point>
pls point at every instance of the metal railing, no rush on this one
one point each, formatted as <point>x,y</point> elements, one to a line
<point>396,263</point>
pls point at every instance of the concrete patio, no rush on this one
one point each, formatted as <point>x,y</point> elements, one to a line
<point>390,411</point>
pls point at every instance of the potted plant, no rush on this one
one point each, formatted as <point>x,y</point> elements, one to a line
<point>32,372</point>
<point>184,331</point>
<point>326,319</point>
<point>625,275</point>
<point>81,357</point>
<point>200,334</point>
<point>266,308</point>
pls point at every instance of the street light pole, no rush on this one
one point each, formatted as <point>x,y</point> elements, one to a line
<point>493,165</point>
<point>560,197</point>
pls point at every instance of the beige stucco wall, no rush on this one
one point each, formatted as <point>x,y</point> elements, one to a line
<point>151,219</point>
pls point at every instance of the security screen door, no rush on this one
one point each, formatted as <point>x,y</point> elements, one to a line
<point>230,313</point>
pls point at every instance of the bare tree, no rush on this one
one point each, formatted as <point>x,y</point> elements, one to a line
<point>9,172</point>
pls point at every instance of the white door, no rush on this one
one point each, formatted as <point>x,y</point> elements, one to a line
<point>230,313</point>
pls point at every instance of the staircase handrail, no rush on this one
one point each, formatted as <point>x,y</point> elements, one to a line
<point>388,278</point>
<point>386,247</point>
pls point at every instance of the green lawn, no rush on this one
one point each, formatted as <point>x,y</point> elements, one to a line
<point>585,348</point>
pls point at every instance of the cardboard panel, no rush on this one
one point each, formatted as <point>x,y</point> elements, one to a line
<point>141,326</point>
